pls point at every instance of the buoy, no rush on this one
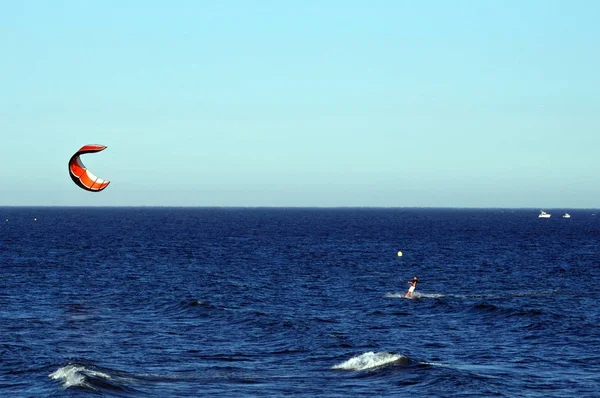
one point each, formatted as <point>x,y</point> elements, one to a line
<point>34,219</point>
<point>399,254</point>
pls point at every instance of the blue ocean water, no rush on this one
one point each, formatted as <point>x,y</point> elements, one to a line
<point>178,302</point>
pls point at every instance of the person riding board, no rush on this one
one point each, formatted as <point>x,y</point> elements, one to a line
<point>413,285</point>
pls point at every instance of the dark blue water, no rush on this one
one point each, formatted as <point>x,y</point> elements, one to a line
<point>173,302</point>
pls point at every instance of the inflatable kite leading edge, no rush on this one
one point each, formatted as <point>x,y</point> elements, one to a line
<point>82,176</point>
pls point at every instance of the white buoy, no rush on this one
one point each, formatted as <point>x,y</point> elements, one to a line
<point>34,219</point>
<point>399,254</point>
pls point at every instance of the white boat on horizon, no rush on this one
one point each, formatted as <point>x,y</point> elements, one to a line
<point>566,215</point>
<point>543,214</point>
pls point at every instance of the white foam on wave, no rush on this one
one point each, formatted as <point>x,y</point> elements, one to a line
<point>76,376</point>
<point>505,295</point>
<point>428,295</point>
<point>435,364</point>
<point>415,295</point>
<point>369,360</point>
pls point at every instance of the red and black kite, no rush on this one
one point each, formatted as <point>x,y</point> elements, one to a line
<point>82,176</point>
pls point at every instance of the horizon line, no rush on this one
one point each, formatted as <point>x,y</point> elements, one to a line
<point>299,207</point>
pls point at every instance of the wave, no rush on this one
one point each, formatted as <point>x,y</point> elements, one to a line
<point>507,311</point>
<point>428,295</point>
<point>394,295</point>
<point>484,307</point>
<point>187,307</point>
<point>194,303</point>
<point>416,295</point>
<point>372,360</point>
<point>87,377</point>
<point>506,295</point>
<point>533,293</point>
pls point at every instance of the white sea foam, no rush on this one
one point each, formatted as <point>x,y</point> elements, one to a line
<point>76,376</point>
<point>435,364</point>
<point>415,295</point>
<point>428,295</point>
<point>370,360</point>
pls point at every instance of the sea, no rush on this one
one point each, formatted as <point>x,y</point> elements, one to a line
<point>303,302</point>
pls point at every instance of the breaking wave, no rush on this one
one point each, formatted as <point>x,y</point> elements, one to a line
<point>371,360</point>
<point>87,377</point>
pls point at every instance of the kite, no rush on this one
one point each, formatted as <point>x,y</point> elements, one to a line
<point>82,176</point>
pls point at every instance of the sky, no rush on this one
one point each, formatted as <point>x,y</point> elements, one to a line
<point>302,103</point>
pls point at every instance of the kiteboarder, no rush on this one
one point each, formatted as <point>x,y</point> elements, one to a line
<point>413,285</point>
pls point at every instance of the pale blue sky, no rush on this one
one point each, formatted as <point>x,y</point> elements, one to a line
<point>302,103</point>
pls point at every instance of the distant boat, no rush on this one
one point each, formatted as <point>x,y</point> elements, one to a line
<point>566,215</point>
<point>543,214</point>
